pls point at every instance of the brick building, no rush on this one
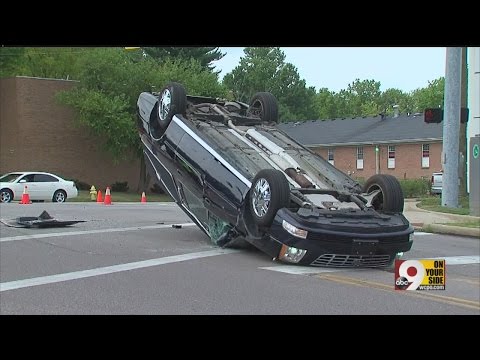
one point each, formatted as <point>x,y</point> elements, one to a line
<point>38,134</point>
<point>403,146</point>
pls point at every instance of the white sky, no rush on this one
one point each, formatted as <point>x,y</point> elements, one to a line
<point>402,68</point>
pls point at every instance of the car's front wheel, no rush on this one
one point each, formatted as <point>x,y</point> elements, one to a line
<point>171,100</point>
<point>59,196</point>
<point>269,193</point>
<point>390,197</point>
<point>6,196</point>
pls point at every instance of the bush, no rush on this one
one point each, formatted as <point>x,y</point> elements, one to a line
<point>120,186</point>
<point>81,185</point>
<point>415,187</point>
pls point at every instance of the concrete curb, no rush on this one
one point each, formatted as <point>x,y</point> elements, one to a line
<point>450,230</point>
<point>432,224</point>
<point>455,216</point>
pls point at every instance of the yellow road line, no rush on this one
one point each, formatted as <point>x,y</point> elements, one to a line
<point>390,288</point>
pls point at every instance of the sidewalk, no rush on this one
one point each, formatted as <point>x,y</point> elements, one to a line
<point>421,219</point>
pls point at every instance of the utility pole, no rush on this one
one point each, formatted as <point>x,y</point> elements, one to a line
<point>462,139</point>
<point>451,127</point>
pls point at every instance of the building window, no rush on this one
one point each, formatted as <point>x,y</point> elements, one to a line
<point>330,156</point>
<point>360,157</point>
<point>391,157</point>
<point>425,155</point>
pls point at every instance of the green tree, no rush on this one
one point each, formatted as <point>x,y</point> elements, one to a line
<point>362,97</point>
<point>430,96</point>
<point>11,60</point>
<point>204,55</point>
<point>392,97</point>
<point>330,105</point>
<point>51,62</point>
<point>110,82</point>
<point>264,69</point>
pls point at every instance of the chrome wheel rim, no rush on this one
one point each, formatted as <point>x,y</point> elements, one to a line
<point>256,109</point>
<point>261,197</point>
<point>164,104</point>
<point>60,197</point>
<point>5,196</point>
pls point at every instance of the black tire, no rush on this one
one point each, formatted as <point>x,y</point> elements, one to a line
<point>172,100</point>
<point>390,199</point>
<point>265,106</point>
<point>6,195</point>
<point>264,203</point>
<point>59,196</point>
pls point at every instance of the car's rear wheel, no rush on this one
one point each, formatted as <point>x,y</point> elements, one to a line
<point>390,198</point>
<point>172,100</point>
<point>270,192</point>
<point>6,195</point>
<point>265,106</point>
<point>59,196</point>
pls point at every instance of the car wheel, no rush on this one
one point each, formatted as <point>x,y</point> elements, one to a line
<point>59,196</point>
<point>270,192</point>
<point>265,106</point>
<point>172,100</point>
<point>6,195</point>
<point>390,198</point>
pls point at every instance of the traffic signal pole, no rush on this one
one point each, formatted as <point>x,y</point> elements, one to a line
<point>451,127</point>
<point>462,140</point>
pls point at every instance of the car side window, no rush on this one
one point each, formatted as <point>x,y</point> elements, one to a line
<point>27,178</point>
<point>44,178</point>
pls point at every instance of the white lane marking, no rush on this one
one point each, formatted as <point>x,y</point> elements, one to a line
<point>459,260</point>
<point>98,231</point>
<point>419,233</point>
<point>301,270</point>
<point>19,284</point>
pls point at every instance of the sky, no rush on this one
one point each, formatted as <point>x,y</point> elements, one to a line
<point>334,68</point>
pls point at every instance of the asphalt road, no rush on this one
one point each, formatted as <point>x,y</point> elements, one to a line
<point>128,259</point>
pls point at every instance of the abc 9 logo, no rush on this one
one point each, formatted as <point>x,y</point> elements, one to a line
<point>410,275</point>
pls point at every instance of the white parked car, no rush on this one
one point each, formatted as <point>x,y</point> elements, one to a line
<point>40,186</point>
<point>437,183</point>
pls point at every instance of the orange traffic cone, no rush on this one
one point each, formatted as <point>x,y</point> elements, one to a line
<point>25,197</point>
<point>99,197</point>
<point>144,198</point>
<point>108,197</point>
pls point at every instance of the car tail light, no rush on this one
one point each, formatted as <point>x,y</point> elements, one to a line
<point>432,179</point>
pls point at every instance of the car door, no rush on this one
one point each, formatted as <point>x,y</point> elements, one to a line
<point>212,181</point>
<point>45,185</point>
<point>29,182</point>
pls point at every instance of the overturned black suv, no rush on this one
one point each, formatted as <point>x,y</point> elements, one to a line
<point>242,180</point>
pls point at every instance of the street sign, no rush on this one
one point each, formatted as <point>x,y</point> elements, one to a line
<point>475,151</point>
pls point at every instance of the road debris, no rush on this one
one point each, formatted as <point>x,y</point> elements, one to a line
<point>44,220</point>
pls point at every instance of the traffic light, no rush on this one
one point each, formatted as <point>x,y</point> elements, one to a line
<point>433,115</point>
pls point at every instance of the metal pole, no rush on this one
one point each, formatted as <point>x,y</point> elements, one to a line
<point>474,129</point>
<point>462,151</point>
<point>451,127</point>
